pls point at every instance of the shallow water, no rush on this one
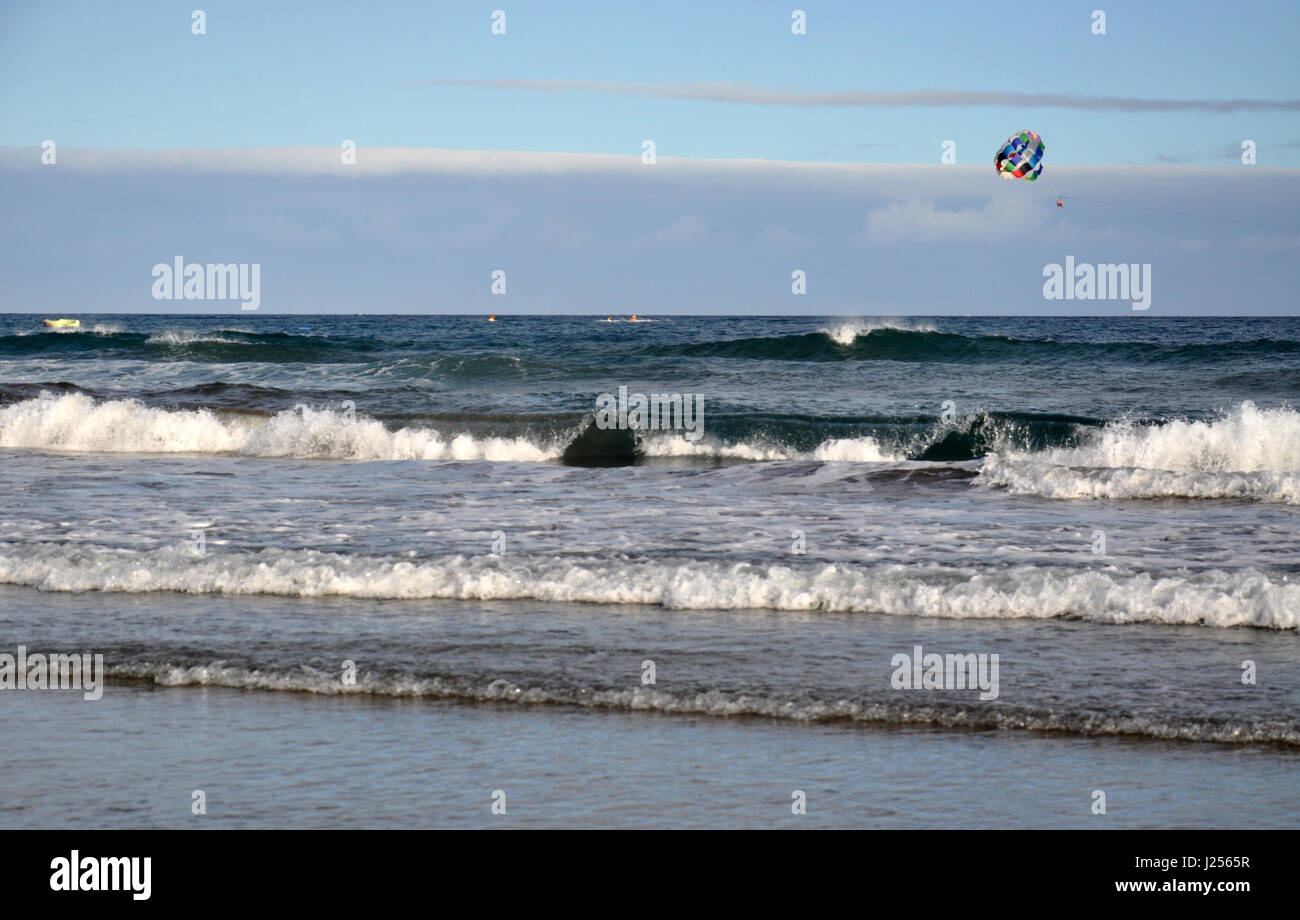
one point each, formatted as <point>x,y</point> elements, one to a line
<point>287,761</point>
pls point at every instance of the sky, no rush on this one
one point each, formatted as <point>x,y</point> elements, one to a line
<point>774,153</point>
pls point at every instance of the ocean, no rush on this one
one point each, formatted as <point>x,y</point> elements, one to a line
<point>426,571</point>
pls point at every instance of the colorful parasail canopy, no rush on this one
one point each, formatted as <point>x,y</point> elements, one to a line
<point>1021,157</point>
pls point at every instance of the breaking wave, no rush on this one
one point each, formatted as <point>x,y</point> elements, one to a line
<point>76,422</point>
<point>1247,453</point>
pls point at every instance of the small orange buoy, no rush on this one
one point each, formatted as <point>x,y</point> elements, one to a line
<point>633,319</point>
<point>492,318</point>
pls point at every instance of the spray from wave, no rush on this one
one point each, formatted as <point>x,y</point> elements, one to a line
<point>847,332</point>
<point>185,337</point>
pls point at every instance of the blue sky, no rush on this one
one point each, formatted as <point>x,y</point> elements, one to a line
<point>274,74</point>
<point>1165,98</point>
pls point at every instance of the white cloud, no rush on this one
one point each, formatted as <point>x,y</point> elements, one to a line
<point>685,231</point>
<point>914,220</point>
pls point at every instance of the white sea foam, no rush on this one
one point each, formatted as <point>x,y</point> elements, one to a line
<point>859,450</point>
<point>76,422</point>
<point>1248,453</point>
<point>1244,597</point>
<point>1029,477</point>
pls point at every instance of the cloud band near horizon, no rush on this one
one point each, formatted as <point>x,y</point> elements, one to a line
<point>747,94</point>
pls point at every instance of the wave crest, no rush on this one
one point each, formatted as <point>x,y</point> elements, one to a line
<point>847,332</point>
